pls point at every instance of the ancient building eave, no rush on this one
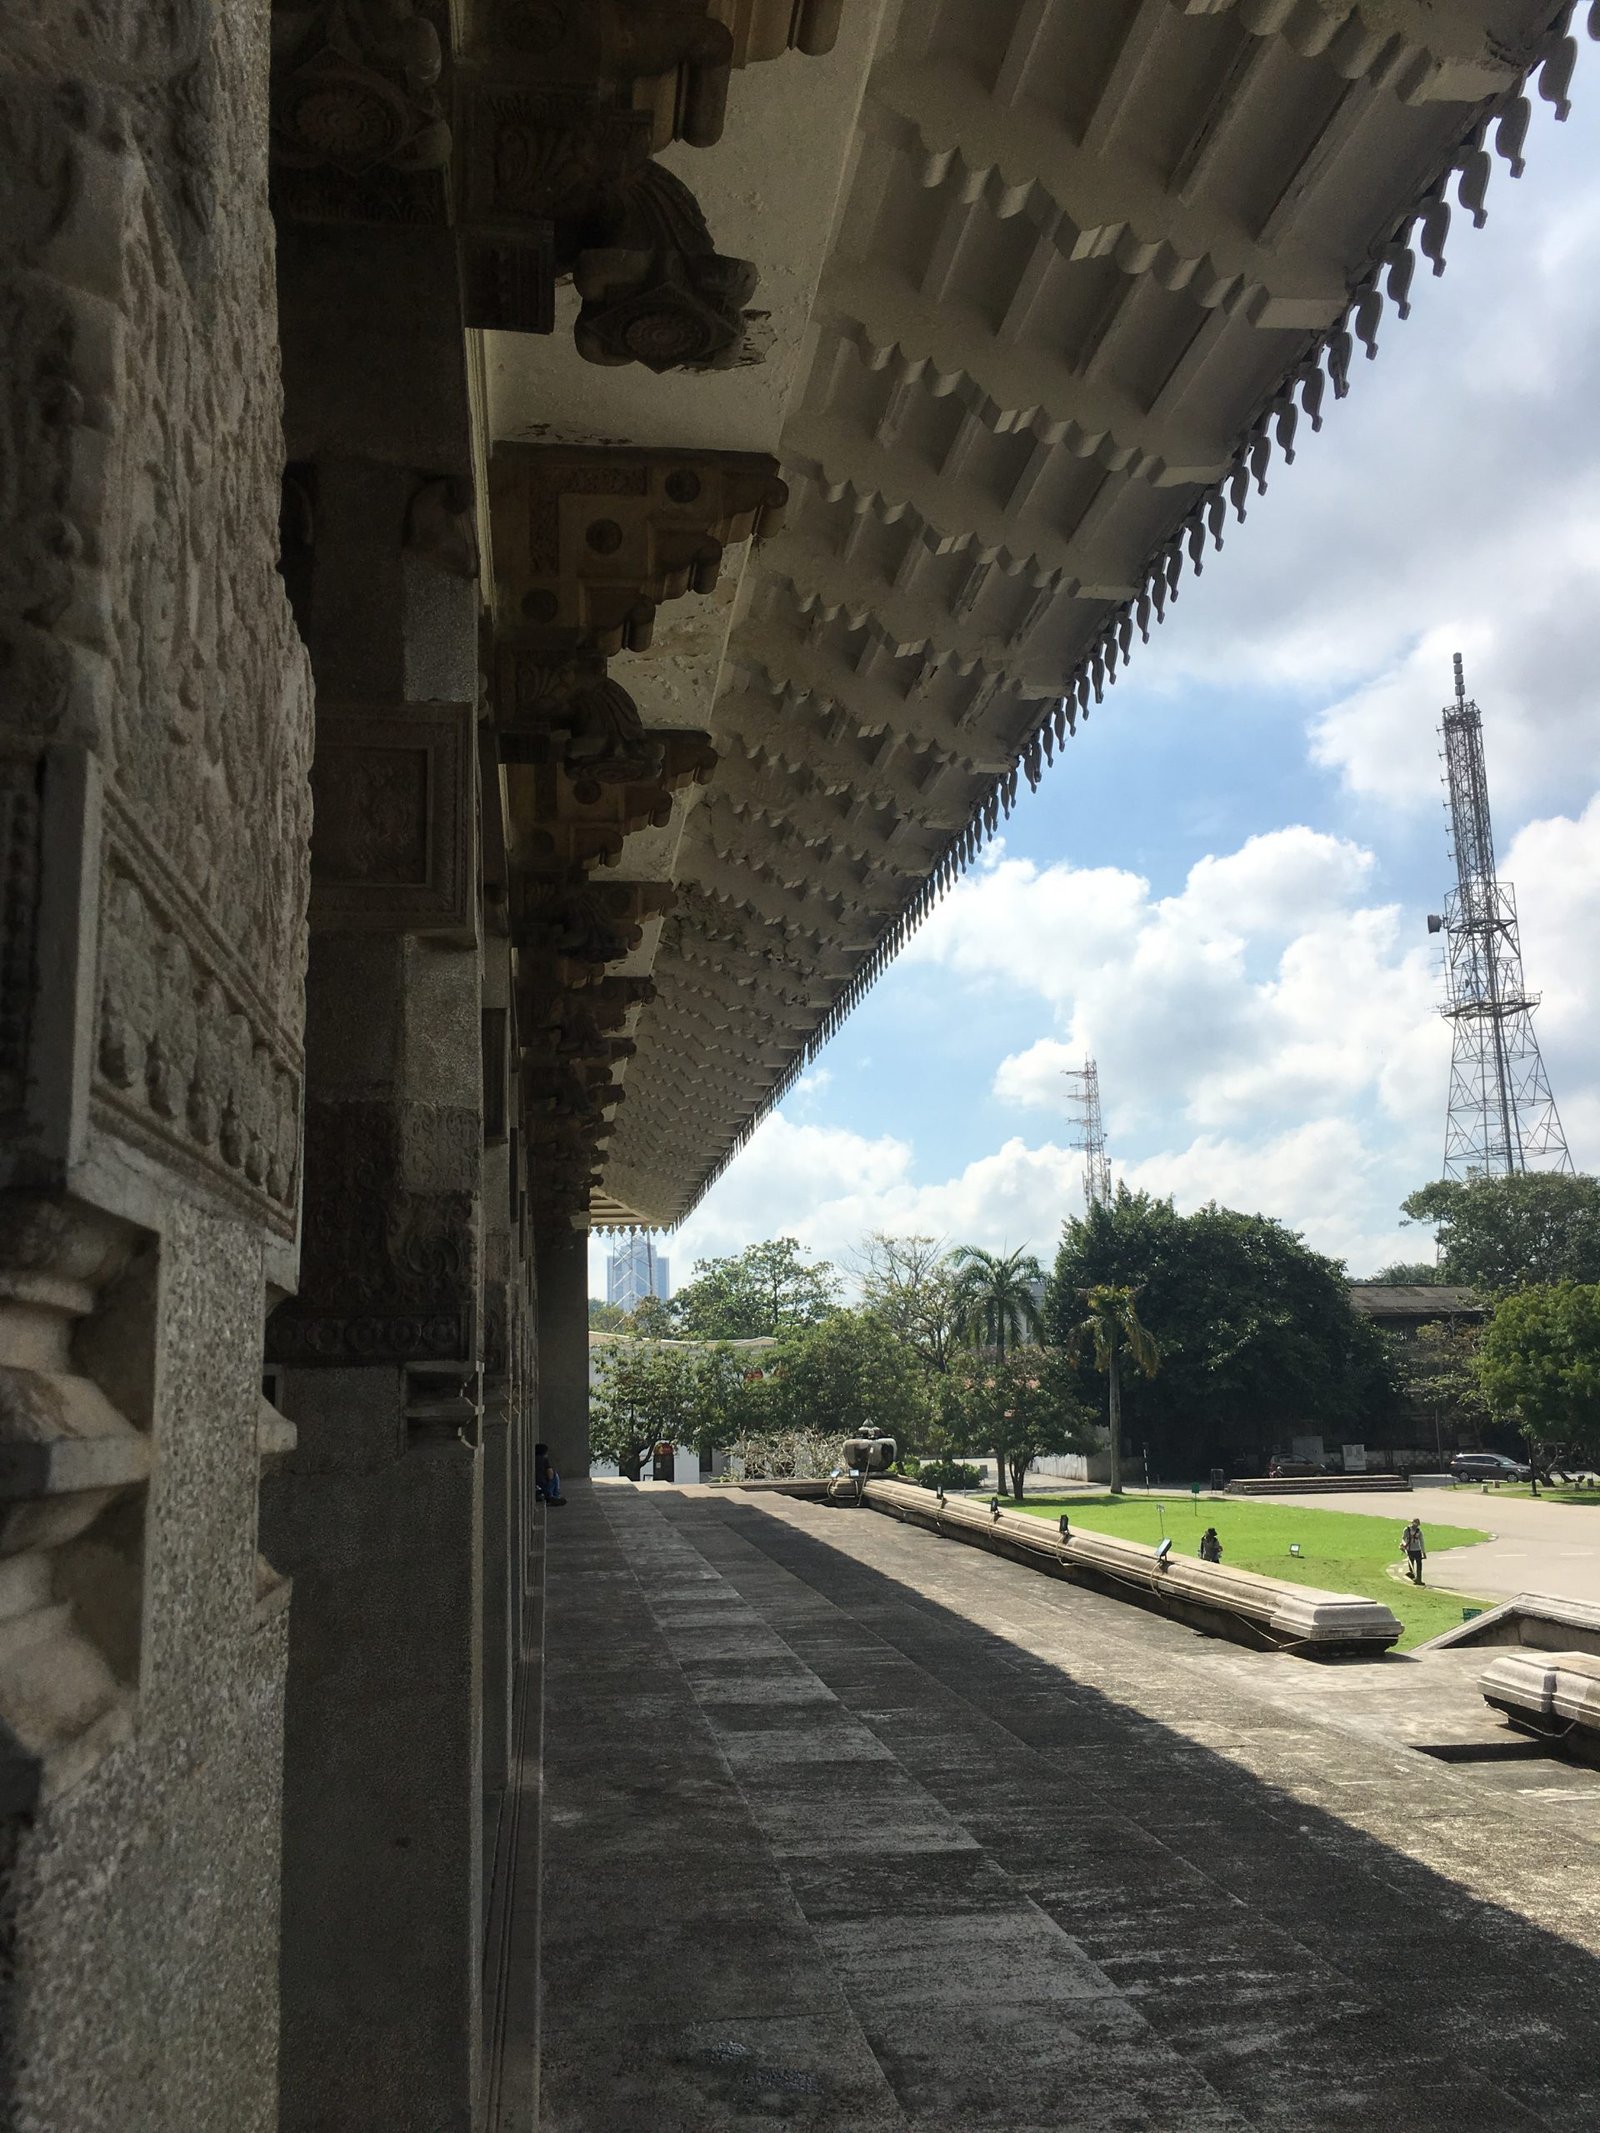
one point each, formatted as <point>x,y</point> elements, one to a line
<point>1094,271</point>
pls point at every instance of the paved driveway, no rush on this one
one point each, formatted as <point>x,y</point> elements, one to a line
<point>1537,1547</point>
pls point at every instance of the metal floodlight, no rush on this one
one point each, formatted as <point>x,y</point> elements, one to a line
<point>1066,1529</point>
<point>1435,922</point>
<point>941,1496</point>
<point>994,1507</point>
<point>1163,1552</point>
<point>1294,1547</point>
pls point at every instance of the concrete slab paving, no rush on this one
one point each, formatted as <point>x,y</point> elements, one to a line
<point>928,1842</point>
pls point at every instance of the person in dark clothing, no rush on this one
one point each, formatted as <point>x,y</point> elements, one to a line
<point>1210,1546</point>
<point>546,1481</point>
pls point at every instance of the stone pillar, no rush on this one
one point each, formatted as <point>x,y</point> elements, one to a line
<point>378,1516</point>
<point>154,740</point>
<point>562,1261</point>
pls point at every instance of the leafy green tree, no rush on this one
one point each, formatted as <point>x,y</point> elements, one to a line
<point>1020,1405</point>
<point>650,1319</point>
<point>606,1317</point>
<point>845,1374</point>
<point>1438,1370</point>
<point>761,1290</point>
<point>909,1284</point>
<point>1498,1234</point>
<point>995,1296</point>
<point>1539,1361</point>
<point>1412,1273</point>
<point>1258,1333</point>
<point>1112,1328</point>
<point>642,1396</point>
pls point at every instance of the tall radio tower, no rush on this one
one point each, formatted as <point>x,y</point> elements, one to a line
<point>1085,1097</point>
<point>1502,1117</point>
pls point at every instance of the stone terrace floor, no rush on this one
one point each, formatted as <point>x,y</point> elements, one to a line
<point>849,1827</point>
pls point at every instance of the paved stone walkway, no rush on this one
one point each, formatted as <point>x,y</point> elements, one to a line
<point>851,1828</point>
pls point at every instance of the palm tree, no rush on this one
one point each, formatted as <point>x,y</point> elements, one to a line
<point>994,1296</point>
<point>1111,1323</point>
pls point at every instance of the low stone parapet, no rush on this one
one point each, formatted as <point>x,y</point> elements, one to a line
<point>1553,1694</point>
<point>1269,1613</point>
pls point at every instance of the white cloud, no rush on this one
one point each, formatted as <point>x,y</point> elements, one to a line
<point>1267,987</point>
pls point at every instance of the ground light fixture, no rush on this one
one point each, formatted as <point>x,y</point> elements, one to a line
<point>1294,1547</point>
<point>1066,1529</point>
<point>994,1507</point>
<point>1163,1552</point>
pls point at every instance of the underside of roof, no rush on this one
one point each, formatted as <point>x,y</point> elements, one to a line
<point>1097,267</point>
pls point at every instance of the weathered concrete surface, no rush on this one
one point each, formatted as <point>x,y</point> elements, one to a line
<point>849,1828</point>
<point>1536,1547</point>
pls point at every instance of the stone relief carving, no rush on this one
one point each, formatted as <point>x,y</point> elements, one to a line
<point>188,1060</point>
<point>142,619</point>
<point>395,789</point>
<point>19,891</point>
<point>393,1271</point>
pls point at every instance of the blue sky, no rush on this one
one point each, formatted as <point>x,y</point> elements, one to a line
<point>1221,887</point>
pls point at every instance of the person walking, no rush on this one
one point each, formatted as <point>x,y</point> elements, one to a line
<point>1411,1547</point>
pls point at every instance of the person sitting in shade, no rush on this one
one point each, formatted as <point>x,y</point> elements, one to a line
<point>546,1481</point>
<point>1210,1546</point>
<point>1412,1549</point>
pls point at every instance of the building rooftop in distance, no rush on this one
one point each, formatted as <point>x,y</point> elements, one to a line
<point>1416,1299</point>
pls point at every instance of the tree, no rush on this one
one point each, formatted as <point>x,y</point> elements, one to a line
<point>642,1396</point>
<point>760,1290</point>
<point>1258,1334</point>
<point>909,1284</point>
<point>1539,1361</point>
<point>1535,1227</point>
<point>1412,1273</point>
<point>650,1319</point>
<point>1111,1326</point>
<point>846,1374</point>
<point>1020,1405</point>
<point>995,1295</point>
<point>1437,1369</point>
<point>605,1317</point>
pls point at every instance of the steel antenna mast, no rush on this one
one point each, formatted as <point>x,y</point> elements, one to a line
<point>1502,1117</point>
<point>1091,1137</point>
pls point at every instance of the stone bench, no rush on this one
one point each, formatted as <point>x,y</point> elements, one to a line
<point>1553,1694</point>
<point>1269,1613</point>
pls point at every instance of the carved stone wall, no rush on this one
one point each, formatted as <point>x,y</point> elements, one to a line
<point>154,816</point>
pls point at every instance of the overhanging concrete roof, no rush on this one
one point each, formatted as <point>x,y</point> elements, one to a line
<point>1090,270</point>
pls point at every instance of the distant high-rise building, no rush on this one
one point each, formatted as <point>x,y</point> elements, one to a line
<point>636,1270</point>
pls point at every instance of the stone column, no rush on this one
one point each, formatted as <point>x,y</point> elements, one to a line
<point>562,1261</point>
<point>378,1516</point>
<point>154,740</point>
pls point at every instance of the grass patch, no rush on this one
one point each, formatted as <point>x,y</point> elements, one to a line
<point>1341,1551</point>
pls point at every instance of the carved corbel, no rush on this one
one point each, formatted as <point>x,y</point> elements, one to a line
<point>591,541</point>
<point>360,130</point>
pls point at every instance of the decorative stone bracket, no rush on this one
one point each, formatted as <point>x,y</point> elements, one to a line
<point>530,132</point>
<point>70,1462</point>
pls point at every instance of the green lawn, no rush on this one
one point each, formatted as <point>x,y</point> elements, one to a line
<point>1342,1551</point>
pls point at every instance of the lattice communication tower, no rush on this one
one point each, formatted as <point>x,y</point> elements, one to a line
<point>1085,1099</point>
<point>1502,1117</point>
